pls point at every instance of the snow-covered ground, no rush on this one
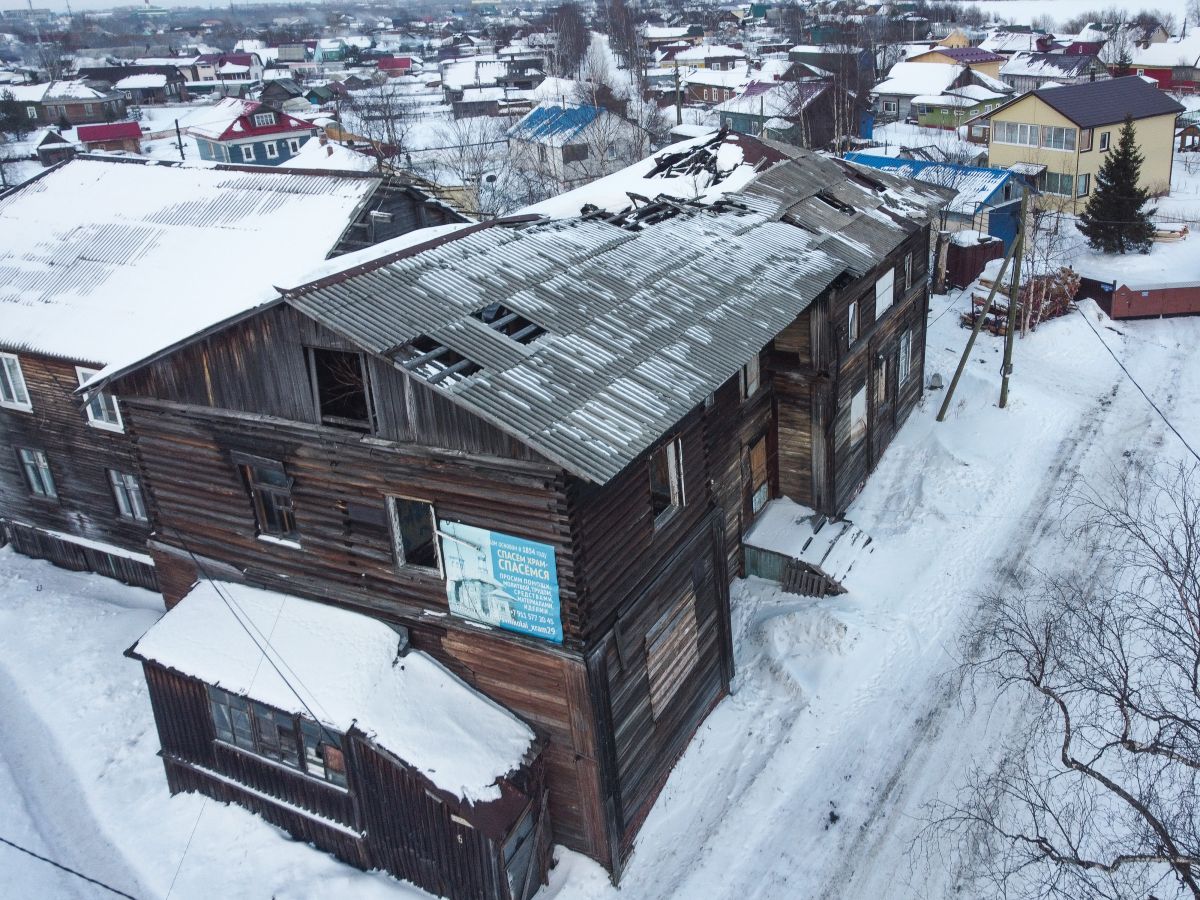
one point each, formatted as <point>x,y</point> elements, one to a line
<point>1022,12</point>
<point>810,781</point>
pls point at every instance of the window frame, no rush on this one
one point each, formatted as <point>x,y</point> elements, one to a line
<point>859,399</point>
<point>364,425</point>
<point>93,404</point>
<point>888,292</point>
<point>751,377</point>
<point>258,492</point>
<point>293,146</point>
<point>6,380</point>
<point>248,153</point>
<point>1105,139</point>
<point>124,493</point>
<point>264,120</point>
<point>31,112</point>
<point>1083,184</point>
<point>851,324</point>
<point>904,360</point>
<point>676,494</point>
<point>304,747</point>
<point>399,554</point>
<point>39,477</point>
<point>272,150</point>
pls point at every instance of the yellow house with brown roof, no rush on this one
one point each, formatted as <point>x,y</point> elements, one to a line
<point>1060,136</point>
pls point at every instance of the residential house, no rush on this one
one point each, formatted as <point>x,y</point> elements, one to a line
<point>893,96</point>
<point>973,58</point>
<point>708,56</point>
<point>68,103</point>
<point>51,147</point>
<point>126,136</point>
<point>1030,71</point>
<point>564,143</point>
<point>708,87</point>
<point>852,66</point>
<point>478,437</point>
<point>1007,41</point>
<point>1060,135</point>
<point>812,112</point>
<point>954,107</point>
<point>1173,64</point>
<point>248,131</point>
<point>278,91</point>
<point>185,65</point>
<point>985,200</point>
<point>229,67</point>
<point>70,489</point>
<point>656,37</point>
<point>142,84</point>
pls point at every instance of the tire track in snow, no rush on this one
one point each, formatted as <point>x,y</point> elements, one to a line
<point>55,801</point>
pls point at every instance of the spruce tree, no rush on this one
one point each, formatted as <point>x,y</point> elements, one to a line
<point>1115,220</point>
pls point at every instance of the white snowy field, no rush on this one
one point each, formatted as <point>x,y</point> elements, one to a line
<point>1023,12</point>
<point>809,782</point>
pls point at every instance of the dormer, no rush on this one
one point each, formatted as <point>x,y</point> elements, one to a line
<point>264,119</point>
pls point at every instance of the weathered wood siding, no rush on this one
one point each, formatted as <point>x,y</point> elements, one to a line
<point>79,454</point>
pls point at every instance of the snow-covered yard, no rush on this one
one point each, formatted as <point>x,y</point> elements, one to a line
<point>809,782</point>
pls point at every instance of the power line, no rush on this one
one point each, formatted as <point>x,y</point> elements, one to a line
<point>1134,381</point>
<point>67,869</point>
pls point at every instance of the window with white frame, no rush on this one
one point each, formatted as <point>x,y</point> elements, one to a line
<point>852,324</point>
<point>38,477</point>
<point>858,416</point>
<point>885,293</point>
<point>414,533</point>
<point>293,145</point>
<point>751,377</point>
<point>272,151</point>
<point>127,493</point>
<point>262,120</point>
<point>1083,185</point>
<point>666,480</point>
<point>247,153</point>
<point>13,392</point>
<point>1104,139</point>
<point>1058,183</point>
<point>87,109</point>
<point>889,106</point>
<point>31,112</point>
<point>908,270</point>
<point>1055,137</point>
<point>904,365</point>
<point>100,406</point>
<point>1015,133</point>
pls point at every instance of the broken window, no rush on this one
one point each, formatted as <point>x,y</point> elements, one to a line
<point>414,534</point>
<point>572,153</point>
<point>270,491</point>
<point>852,324</point>
<point>759,487</point>
<point>751,377</point>
<point>666,480</point>
<point>340,384</point>
<point>509,323</point>
<point>434,361</point>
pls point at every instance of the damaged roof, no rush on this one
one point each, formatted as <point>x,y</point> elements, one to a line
<point>589,338</point>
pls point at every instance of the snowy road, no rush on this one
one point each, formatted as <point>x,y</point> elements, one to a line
<point>809,782</point>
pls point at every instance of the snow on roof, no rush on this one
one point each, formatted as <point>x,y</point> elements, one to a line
<point>212,121</point>
<point>730,78</point>
<point>1167,54</point>
<point>348,670</point>
<point>658,33</point>
<point>1045,65</point>
<point>947,100</point>
<point>462,73</point>
<point>774,99</point>
<point>977,92</point>
<point>911,79</point>
<point>1011,42</point>
<point>974,185</point>
<point>709,51</point>
<point>555,123</point>
<point>559,89</point>
<point>329,155</point>
<point>107,262</point>
<point>1173,264</point>
<point>134,82</point>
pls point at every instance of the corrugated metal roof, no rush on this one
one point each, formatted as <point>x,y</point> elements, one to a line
<point>640,324</point>
<point>555,123</point>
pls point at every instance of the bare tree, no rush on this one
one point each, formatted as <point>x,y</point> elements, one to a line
<point>1097,796</point>
<point>475,156</point>
<point>572,41</point>
<point>384,117</point>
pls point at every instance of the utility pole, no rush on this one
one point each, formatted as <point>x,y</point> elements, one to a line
<point>1011,326</point>
<point>179,139</point>
<point>966,354</point>
<point>678,99</point>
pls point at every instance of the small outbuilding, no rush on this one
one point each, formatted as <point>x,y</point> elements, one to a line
<point>1163,282</point>
<point>327,725</point>
<point>116,136</point>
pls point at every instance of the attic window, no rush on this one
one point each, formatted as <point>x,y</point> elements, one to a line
<point>340,384</point>
<point>509,323</point>
<point>837,204</point>
<point>434,361</point>
<point>261,120</point>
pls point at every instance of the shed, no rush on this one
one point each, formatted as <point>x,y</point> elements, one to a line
<point>333,729</point>
<point>1163,282</point>
<point>117,136</point>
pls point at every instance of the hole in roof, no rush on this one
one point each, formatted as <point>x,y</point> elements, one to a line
<point>837,204</point>
<point>434,361</point>
<point>509,323</point>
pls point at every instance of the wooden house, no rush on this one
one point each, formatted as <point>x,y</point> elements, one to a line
<point>126,136</point>
<point>535,443</point>
<point>249,131</point>
<point>93,279</point>
<point>142,84</point>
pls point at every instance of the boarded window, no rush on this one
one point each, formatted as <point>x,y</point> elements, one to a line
<point>414,538</point>
<point>885,293</point>
<point>858,416</point>
<point>666,479</point>
<point>672,652</point>
<point>340,385</point>
<point>758,475</point>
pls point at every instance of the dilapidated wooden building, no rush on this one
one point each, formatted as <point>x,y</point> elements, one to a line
<point>104,260</point>
<point>535,443</point>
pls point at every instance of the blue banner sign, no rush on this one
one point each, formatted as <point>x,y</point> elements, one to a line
<point>502,580</point>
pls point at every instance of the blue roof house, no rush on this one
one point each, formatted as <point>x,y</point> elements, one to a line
<point>562,145</point>
<point>988,200</point>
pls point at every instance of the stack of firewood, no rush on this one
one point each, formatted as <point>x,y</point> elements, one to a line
<point>1042,297</point>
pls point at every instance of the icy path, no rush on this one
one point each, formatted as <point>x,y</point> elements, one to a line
<point>809,782</point>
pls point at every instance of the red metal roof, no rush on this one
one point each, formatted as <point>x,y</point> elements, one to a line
<point>395,62</point>
<point>114,132</point>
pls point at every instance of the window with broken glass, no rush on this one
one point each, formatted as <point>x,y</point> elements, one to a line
<point>295,741</point>
<point>339,381</point>
<point>270,490</point>
<point>666,480</point>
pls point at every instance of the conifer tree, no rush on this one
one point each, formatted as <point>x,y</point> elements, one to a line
<point>1115,219</point>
